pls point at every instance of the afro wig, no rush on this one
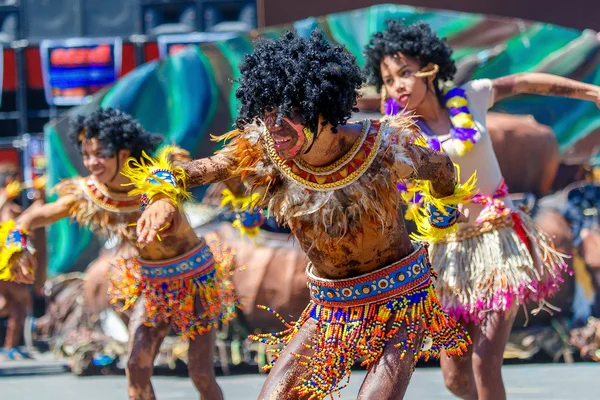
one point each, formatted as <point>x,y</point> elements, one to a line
<point>416,41</point>
<point>300,77</point>
<point>115,130</point>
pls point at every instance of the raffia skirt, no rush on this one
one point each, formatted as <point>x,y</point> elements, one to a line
<point>495,265</point>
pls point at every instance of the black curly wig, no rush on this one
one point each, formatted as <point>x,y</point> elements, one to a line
<point>115,131</point>
<point>416,41</point>
<point>300,77</point>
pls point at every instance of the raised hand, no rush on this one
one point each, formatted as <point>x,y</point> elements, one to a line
<point>463,214</point>
<point>23,268</point>
<point>161,218</point>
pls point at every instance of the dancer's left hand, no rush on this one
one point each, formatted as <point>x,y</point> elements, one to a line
<point>463,214</point>
<point>23,268</point>
<point>161,217</point>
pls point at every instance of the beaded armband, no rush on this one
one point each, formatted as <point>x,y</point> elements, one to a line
<point>156,176</point>
<point>249,221</point>
<point>248,216</point>
<point>442,220</point>
<point>12,242</point>
<point>17,239</point>
<point>438,216</point>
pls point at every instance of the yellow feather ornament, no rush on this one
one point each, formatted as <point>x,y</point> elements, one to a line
<point>8,250</point>
<point>463,193</point>
<point>150,176</point>
<point>243,205</point>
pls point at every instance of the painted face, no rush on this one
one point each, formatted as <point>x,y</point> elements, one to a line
<point>400,78</point>
<point>104,168</point>
<point>288,134</point>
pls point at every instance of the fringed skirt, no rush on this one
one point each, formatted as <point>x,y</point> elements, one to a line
<point>357,317</point>
<point>491,267</point>
<point>171,287</point>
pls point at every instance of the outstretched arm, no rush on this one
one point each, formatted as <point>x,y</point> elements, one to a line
<point>205,171</point>
<point>41,216</point>
<point>544,84</point>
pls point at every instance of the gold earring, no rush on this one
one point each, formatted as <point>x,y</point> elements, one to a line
<point>431,72</point>
<point>384,99</point>
<point>310,136</point>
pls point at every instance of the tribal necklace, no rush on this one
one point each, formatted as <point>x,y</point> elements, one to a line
<point>337,175</point>
<point>108,200</point>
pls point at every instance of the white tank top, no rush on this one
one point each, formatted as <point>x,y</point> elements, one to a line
<point>481,158</point>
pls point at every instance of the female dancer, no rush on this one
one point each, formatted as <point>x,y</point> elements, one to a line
<point>499,259</point>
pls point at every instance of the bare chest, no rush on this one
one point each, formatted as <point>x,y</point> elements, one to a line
<point>376,246</point>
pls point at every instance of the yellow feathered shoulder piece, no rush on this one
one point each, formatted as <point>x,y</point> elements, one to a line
<point>152,176</point>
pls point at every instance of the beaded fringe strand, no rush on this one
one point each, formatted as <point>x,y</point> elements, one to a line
<point>345,335</point>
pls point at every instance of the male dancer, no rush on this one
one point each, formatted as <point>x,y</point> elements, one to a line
<point>175,282</point>
<point>334,184</point>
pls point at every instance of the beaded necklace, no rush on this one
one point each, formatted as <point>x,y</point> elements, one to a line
<point>337,175</point>
<point>107,200</point>
<point>464,130</point>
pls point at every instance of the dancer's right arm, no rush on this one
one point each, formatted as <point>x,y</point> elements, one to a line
<point>47,214</point>
<point>205,171</point>
<point>161,215</point>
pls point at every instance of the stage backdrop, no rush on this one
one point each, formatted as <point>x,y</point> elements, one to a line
<point>190,94</point>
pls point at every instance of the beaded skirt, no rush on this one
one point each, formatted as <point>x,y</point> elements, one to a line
<point>503,261</point>
<point>172,288</point>
<point>356,318</point>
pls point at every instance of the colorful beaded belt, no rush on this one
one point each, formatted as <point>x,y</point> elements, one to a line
<point>399,278</point>
<point>195,262</point>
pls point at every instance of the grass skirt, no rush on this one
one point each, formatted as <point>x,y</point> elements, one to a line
<point>495,265</point>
